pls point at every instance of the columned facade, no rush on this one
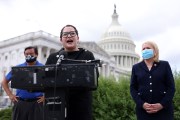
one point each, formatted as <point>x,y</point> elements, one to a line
<point>12,51</point>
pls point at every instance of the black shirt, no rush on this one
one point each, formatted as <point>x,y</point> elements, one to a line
<point>82,54</point>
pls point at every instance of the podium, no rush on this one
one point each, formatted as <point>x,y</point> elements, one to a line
<point>55,81</point>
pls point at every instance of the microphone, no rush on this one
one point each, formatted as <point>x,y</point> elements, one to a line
<point>61,56</point>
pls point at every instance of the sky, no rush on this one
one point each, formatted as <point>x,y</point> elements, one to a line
<point>155,20</point>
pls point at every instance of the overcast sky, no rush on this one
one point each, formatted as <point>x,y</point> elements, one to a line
<point>156,20</point>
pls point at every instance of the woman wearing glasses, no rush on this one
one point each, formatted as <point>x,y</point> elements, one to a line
<point>152,85</point>
<point>79,100</point>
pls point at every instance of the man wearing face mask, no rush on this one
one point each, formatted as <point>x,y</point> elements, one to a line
<point>27,105</point>
<point>152,85</point>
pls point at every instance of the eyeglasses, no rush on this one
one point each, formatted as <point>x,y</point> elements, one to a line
<point>65,34</point>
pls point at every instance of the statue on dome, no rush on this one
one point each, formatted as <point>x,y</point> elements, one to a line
<point>114,8</point>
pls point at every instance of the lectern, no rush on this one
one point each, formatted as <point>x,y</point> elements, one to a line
<point>55,81</point>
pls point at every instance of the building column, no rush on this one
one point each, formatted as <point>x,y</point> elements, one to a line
<point>128,61</point>
<point>121,61</point>
<point>118,64</point>
<point>104,70</point>
<point>125,61</point>
<point>40,53</point>
<point>47,52</point>
<point>132,61</point>
<point>107,70</point>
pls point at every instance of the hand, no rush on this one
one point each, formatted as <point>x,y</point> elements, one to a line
<point>146,106</point>
<point>41,99</point>
<point>152,108</point>
<point>157,107</point>
<point>13,98</point>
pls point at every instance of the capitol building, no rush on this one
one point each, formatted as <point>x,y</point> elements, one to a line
<point>115,49</point>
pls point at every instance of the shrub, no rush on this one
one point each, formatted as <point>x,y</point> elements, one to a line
<point>176,100</point>
<point>112,101</point>
<point>5,114</point>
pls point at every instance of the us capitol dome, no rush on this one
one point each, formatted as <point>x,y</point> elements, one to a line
<point>117,42</point>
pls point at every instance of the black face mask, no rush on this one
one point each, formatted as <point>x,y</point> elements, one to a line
<point>30,59</point>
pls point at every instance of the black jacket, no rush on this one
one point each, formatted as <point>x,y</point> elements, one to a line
<point>154,86</point>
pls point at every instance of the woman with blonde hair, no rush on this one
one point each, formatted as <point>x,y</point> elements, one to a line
<point>152,85</point>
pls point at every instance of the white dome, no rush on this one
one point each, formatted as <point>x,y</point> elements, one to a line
<point>115,29</point>
<point>116,41</point>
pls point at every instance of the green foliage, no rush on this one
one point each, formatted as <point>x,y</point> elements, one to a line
<point>176,100</point>
<point>112,101</point>
<point>5,114</point>
<point>176,75</point>
<point>177,95</point>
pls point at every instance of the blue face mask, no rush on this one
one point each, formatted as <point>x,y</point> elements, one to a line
<point>147,53</point>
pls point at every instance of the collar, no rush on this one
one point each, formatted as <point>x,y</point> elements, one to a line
<point>154,66</point>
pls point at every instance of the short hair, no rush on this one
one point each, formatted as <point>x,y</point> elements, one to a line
<point>156,49</point>
<point>32,47</point>
<point>76,31</point>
